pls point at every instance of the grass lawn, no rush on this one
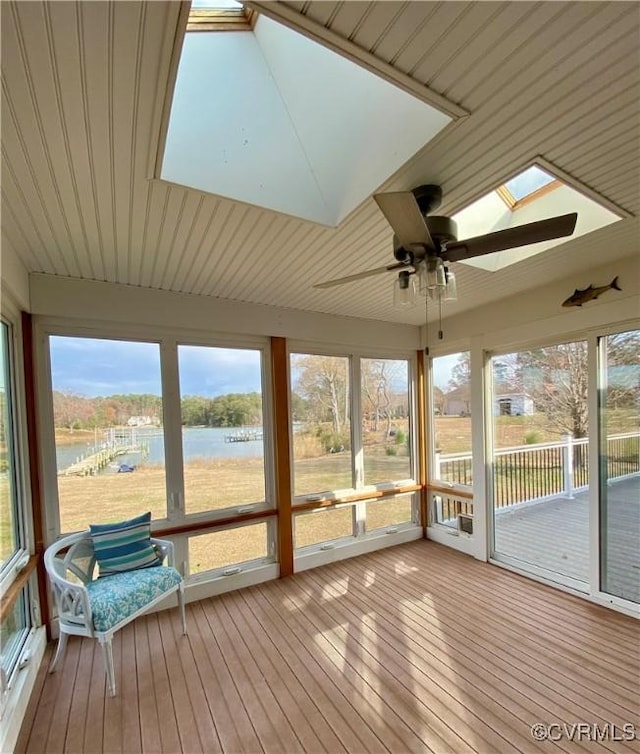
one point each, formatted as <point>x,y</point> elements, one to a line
<point>218,484</point>
<point>215,485</point>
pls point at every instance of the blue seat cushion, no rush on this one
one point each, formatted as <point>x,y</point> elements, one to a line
<point>115,598</point>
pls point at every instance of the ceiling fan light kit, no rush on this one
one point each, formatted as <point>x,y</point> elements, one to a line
<point>404,289</point>
<point>424,244</point>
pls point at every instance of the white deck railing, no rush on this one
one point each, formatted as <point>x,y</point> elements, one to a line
<point>531,472</point>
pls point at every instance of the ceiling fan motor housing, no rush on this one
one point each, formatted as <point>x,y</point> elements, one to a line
<point>442,229</point>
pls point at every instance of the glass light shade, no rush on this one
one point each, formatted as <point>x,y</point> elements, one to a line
<point>451,289</point>
<point>432,269</point>
<point>423,282</point>
<point>404,290</point>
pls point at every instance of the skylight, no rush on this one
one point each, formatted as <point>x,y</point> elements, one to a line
<point>272,118</point>
<point>216,4</point>
<point>534,194</point>
<point>219,15</point>
<point>528,182</point>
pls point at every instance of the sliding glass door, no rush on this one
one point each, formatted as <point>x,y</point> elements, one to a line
<point>542,465</point>
<point>539,471</point>
<point>619,464</point>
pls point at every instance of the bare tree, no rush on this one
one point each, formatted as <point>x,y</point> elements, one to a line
<point>323,381</point>
<point>555,379</point>
<point>377,376</point>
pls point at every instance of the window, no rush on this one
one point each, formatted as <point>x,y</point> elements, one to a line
<point>451,421</point>
<point>13,634</point>
<point>338,458</point>
<point>9,510</point>
<point>386,434</point>
<point>15,626</point>
<point>228,549</point>
<point>533,194</point>
<point>219,15</point>
<point>323,526</point>
<point>109,439</point>
<point>527,184</point>
<point>321,414</point>
<point>222,427</point>
<point>389,512</point>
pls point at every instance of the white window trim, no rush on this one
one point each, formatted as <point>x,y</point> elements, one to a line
<point>168,342</point>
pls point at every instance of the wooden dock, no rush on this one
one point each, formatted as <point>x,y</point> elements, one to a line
<point>243,437</point>
<point>95,462</point>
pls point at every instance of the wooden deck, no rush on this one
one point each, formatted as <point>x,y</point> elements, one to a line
<point>415,648</point>
<point>554,534</point>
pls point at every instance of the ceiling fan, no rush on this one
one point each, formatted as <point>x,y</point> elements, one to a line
<point>423,242</point>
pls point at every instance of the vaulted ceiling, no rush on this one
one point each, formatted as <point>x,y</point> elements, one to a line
<point>84,97</point>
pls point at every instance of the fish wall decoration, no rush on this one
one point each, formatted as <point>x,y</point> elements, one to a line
<point>579,297</point>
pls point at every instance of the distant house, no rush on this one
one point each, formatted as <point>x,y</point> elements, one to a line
<point>141,421</point>
<point>513,404</point>
<point>457,402</point>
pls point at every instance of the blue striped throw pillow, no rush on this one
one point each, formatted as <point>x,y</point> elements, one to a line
<point>124,546</point>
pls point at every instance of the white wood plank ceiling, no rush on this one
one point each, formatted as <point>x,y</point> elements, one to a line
<point>83,90</point>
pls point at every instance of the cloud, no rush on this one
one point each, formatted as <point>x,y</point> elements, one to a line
<point>211,371</point>
<point>98,367</point>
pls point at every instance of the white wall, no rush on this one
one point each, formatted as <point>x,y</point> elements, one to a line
<point>538,313</point>
<point>15,279</point>
<point>108,302</point>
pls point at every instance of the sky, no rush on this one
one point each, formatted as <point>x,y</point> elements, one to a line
<point>94,367</point>
<point>528,181</point>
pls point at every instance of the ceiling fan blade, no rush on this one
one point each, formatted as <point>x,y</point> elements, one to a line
<point>404,216</point>
<point>361,275</point>
<point>543,230</point>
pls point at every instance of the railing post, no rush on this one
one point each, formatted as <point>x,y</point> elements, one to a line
<point>567,452</point>
<point>438,497</point>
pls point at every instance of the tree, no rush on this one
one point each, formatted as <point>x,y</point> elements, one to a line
<point>379,401</point>
<point>438,400</point>
<point>323,381</point>
<point>555,379</point>
<point>623,369</point>
<point>375,389</point>
<point>71,410</point>
<point>461,372</point>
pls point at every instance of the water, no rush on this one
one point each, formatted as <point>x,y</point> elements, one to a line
<point>197,442</point>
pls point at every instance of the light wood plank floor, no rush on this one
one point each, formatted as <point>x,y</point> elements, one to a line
<point>411,649</point>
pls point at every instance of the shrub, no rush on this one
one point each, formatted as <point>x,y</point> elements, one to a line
<point>334,442</point>
<point>390,450</point>
<point>401,437</point>
<point>532,438</point>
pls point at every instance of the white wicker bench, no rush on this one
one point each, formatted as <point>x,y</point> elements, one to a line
<point>98,607</point>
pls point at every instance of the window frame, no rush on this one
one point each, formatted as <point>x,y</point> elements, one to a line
<point>47,459</point>
<point>357,497</point>
<point>168,342</point>
<point>13,569</point>
<point>221,19</point>
<point>10,569</point>
<point>354,357</point>
<point>269,503</point>
<point>239,567</point>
